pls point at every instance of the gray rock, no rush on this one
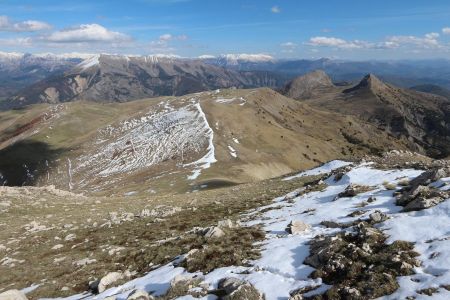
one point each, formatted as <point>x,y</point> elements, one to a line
<point>377,217</point>
<point>245,292</point>
<point>230,284</point>
<point>297,227</point>
<point>99,286</point>
<point>214,232</point>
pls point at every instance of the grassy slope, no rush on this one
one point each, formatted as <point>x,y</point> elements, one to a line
<point>277,135</point>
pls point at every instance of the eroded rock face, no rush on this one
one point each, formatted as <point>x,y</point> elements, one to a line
<point>360,265</point>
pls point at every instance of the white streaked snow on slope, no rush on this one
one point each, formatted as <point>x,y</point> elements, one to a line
<point>163,134</point>
<point>280,268</point>
<point>209,158</point>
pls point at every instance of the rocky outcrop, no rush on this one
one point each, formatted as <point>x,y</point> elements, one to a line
<point>237,289</point>
<point>420,194</point>
<point>360,265</point>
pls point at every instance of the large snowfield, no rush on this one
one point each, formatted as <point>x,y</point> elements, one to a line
<point>281,267</point>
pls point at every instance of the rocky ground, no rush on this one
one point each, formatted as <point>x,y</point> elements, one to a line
<point>345,230</point>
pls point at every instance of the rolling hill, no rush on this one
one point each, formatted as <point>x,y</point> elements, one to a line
<point>176,144</point>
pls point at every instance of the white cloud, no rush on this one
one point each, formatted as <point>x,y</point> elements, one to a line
<point>6,24</point>
<point>446,30</point>
<point>275,9</point>
<point>322,41</point>
<point>428,41</point>
<point>168,37</point>
<point>87,33</point>
<point>162,45</point>
<point>288,47</point>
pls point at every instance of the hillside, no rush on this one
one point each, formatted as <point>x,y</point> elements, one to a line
<point>118,78</point>
<point>421,118</point>
<point>308,85</point>
<point>362,229</point>
<point>432,89</point>
<point>176,144</point>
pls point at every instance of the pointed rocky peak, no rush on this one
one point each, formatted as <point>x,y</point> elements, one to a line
<point>369,82</point>
<point>308,85</point>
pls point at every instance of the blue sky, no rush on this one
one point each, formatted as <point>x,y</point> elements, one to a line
<point>347,29</point>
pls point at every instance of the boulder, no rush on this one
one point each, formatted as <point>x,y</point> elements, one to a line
<point>13,295</point>
<point>245,292</point>
<point>230,284</point>
<point>377,217</point>
<point>297,227</point>
<point>99,286</point>
<point>237,289</point>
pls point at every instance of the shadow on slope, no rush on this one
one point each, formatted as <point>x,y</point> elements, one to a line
<point>24,162</point>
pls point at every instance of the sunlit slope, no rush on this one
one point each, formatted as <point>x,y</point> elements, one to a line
<point>176,144</point>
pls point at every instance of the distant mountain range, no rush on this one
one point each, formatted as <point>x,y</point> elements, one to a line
<point>24,75</point>
<point>18,70</point>
<point>114,78</point>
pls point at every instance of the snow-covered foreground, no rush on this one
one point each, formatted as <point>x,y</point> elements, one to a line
<point>281,267</point>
